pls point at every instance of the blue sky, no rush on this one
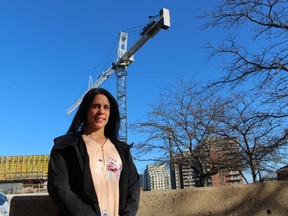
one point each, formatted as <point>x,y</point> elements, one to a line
<point>48,50</point>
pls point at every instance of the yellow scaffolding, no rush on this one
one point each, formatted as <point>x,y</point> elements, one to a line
<point>27,167</point>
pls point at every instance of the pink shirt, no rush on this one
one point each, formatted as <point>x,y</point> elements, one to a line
<point>106,165</point>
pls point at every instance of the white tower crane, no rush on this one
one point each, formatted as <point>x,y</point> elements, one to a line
<point>124,59</point>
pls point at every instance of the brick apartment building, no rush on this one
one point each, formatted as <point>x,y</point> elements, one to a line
<point>226,151</point>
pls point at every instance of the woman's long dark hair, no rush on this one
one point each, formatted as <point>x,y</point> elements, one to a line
<point>111,129</point>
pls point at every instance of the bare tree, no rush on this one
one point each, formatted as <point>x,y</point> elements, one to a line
<point>191,120</point>
<point>256,47</point>
<point>262,139</point>
<point>181,123</point>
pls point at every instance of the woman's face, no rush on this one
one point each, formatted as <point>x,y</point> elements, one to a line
<point>98,113</point>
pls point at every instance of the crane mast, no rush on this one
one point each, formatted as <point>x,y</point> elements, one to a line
<point>124,59</point>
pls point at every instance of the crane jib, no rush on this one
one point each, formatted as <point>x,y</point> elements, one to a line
<point>124,59</point>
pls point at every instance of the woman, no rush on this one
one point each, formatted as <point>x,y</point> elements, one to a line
<point>91,172</point>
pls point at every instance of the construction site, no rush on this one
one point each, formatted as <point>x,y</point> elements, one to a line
<point>23,174</point>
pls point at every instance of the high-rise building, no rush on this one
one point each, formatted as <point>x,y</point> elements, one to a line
<point>156,177</point>
<point>225,153</point>
<point>184,173</point>
<point>217,153</point>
